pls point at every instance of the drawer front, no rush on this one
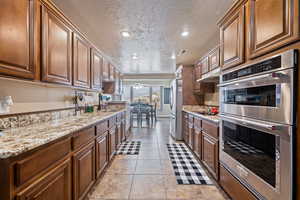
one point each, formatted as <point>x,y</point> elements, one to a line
<point>211,129</point>
<point>197,123</point>
<point>112,121</point>
<point>82,137</point>
<point>102,127</point>
<point>58,181</point>
<point>233,187</point>
<point>41,160</point>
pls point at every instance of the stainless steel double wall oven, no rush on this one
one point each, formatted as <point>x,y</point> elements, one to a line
<point>257,124</point>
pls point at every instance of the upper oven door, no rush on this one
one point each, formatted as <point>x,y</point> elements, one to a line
<point>258,153</point>
<point>266,96</point>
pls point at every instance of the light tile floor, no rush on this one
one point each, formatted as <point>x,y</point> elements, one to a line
<point>149,176</point>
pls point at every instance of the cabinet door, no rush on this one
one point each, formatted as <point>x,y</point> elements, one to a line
<point>111,72</point>
<point>112,142</point>
<point>56,49</point>
<point>83,171</point>
<point>96,70</point>
<point>232,39</point>
<point>105,70</point>
<point>191,136</point>
<point>214,58</point>
<point>204,65</point>
<point>197,75</point>
<point>54,185</point>
<point>197,144</point>
<point>16,38</point>
<point>273,23</point>
<point>81,62</point>
<point>101,153</point>
<point>210,154</point>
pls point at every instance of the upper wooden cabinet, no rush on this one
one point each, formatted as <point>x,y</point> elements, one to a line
<point>197,75</point>
<point>81,62</point>
<point>112,72</point>
<point>57,49</point>
<point>204,65</point>
<point>214,58</point>
<point>16,38</point>
<point>96,69</point>
<point>105,70</point>
<point>273,23</point>
<point>232,38</point>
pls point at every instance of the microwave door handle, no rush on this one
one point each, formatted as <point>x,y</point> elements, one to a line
<point>258,124</point>
<point>273,75</point>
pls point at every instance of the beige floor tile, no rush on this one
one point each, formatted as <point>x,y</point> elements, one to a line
<point>167,167</point>
<point>148,187</point>
<point>126,157</point>
<point>122,166</point>
<point>113,187</point>
<point>212,192</point>
<point>148,167</point>
<point>150,154</point>
<point>183,192</point>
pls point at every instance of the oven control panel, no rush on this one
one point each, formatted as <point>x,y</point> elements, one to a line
<point>264,66</point>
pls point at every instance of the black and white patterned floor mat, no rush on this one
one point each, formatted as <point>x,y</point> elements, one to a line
<point>129,148</point>
<point>186,167</point>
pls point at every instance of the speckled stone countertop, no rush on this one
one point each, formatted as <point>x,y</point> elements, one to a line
<point>212,118</point>
<point>20,140</point>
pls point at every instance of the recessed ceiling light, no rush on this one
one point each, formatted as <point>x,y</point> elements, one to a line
<point>125,34</point>
<point>185,33</point>
<point>173,57</point>
<point>134,56</point>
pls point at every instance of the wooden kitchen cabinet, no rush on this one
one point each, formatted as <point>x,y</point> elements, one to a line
<point>17,38</point>
<point>81,62</point>
<point>101,153</point>
<point>233,187</point>
<point>96,69</point>
<point>210,153</point>
<point>54,185</point>
<point>204,65</point>
<point>273,24</point>
<point>83,170</point>
<point>197,75</point>
<point>112,71</point>
<point>214,58</point>
<point>198,142</point>
<point>185,127</point>
<point>112,142</point>
<point>232,38</point>
<point>191,131</point>
<point>56,48</point>
<point>105,70</point>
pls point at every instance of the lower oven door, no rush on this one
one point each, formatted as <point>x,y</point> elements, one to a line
<point>259,155</point>
<point>267,96</point>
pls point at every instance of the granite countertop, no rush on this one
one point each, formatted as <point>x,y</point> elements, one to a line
<point>212,118</point>
<point>20,140</point>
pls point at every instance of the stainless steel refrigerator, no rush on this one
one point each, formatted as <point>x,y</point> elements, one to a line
<point>176,108</point>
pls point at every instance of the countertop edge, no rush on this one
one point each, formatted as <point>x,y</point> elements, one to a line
<point>201,116</point>
<point>6,155</point>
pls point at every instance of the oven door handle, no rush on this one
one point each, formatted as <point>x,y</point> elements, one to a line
<point>273,76</point>
<point>253,123</point>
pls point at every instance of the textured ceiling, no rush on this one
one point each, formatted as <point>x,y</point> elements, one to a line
<point>155,27</point>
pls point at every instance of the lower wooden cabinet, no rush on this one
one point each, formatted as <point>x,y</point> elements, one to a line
<point>112,142</point>
<point>210,154</point>
<point>56,184</point>
<point>123,130</point>
<point>101,153</point>
<point>191,136</point>
<point>233,187</point>
<point>197,142</point>
<point>83,171</point>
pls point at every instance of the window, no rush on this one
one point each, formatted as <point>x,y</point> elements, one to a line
<point>156,96</point>
<point>141,94</point>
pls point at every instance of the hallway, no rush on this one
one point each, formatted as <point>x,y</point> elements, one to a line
<point>149,175</point>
